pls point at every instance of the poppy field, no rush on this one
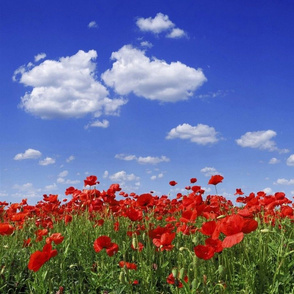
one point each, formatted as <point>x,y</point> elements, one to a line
<point>113,242</point>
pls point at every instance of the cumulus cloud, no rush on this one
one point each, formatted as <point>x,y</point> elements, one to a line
<point>47,161</point>
<point>176,33</point>
<point>70,158</point>
<point>26,191</point>
<point>28,154</point>
<point>98,124</point>
<point>200,134</point>
<point>40,56</point>
<point>290,160</point>
<point>143,160</point>
<point>122,176</point>
<point>146,44</point>
<point>160,23</point>
<point>92,25</point>
<point>209,171</point>
<point>261,140</point>
<point>66,88</point>
<point>274,160</point>
<point>152,79</point>
<point>63,174</point>
<point>284,181</point>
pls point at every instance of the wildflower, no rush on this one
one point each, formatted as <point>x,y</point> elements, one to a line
<point>128,265</point>
<point>38,258</point>
<point>104,242</point>
<point>6,229</point>
<point>172,183</point>
<point>176,281</point>
<point>90,181</point>
<point>216,179</point>
<point>204,251</point>
<point>164,242</point>
<point>57,238</point>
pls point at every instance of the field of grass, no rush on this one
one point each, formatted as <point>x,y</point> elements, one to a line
<point>95,243</point>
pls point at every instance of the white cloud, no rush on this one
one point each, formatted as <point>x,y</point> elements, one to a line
<point>143,160</point>
<point>268,191</point>
<point>152,79</point>
<point>160,23</point>
<point>153,178</point>
<point>122,176</point>
<point>146,44</point>
<point>40,57</point>
<point>209,171</point>
<point>152,160</point>
<point>274,160</point>
<point>50,188</point>
<point>290,160</point>
<point>28,154</point>
<point>26,191</point>
<point>92,24</point>
<point>105,174</point>
<point>71,158</point>
<point>98,124</point>
<point>47,161</point>
<point>200,134</point>
<point>261,140</point>
<point>284,181</point>
<point>66,88</point>
<point>63,174</point>
<point>155,25</point>
<point>176,33</point>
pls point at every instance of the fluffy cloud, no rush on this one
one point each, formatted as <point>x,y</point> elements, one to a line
<point>92,24</point>
<point>28,154</point>
<point>284,181</point>
<point>176,33</point>
<point>98,124</point>
<point>143,160</point>
<point>122,176</point>
<point>209,171</point>
<point>47,161</point>
<point>261,140</point>
<point>200,134</point>
<point>71,158</point>
<point>274,160</point>
<point>153,79</point>
<point>40,56</point>
<point>160,23</point>
<point>290,160</point>
<point>66,88</point>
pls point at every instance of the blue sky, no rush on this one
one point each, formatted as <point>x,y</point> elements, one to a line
<point>144,92</point>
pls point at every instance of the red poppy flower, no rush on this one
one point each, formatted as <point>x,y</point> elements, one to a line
<point>91,181</point>
<point>172,183</point>
<point>208,228</point>
<point>6,229</point>
<point>216,244</point>
<point>104,242</point>
<point>214,180</point>
<point>164,242</point>
<point>139,247</point>
<point>67,219</point>
<point>128,265</point>
<point>239,192</point>
<point>38,258</point>
<point>134,214</point>
<point>57,238</point>
<point>204,251</point>
<point>193,180</point>
<point>145,200</point>
<point>176,281</point>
